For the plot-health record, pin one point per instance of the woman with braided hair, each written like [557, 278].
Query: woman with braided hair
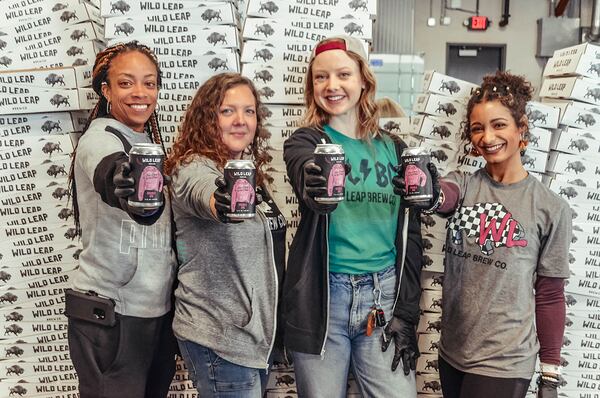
[127, 254]
[506, 261]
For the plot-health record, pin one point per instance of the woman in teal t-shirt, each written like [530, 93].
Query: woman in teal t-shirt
[352, 259]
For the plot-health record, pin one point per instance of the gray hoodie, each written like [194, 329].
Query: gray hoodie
[227, 294]
[121, 259]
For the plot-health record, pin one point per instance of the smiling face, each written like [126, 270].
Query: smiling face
[237, 119]
[131, 89]
[496, 135]
[337, 83]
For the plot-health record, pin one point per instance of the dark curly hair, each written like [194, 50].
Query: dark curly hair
[512, 91]
[200, 133]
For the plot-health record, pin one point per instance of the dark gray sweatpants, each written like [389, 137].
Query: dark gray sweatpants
[134, 359]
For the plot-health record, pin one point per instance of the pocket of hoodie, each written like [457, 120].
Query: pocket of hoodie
[247, 327]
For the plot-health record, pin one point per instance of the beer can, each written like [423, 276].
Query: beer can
[417, 178]
[331, 159]
[240, 176]
[147, 162]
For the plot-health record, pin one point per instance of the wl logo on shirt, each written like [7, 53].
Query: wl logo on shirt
[492, 225]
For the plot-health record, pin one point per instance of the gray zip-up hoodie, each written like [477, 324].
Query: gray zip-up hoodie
[227, 294]
[121, 259]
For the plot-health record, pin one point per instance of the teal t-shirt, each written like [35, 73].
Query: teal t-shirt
[362, 229]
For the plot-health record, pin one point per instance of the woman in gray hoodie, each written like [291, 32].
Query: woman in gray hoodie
[230, 272]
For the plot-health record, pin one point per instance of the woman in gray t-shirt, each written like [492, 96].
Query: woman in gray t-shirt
[506, 257]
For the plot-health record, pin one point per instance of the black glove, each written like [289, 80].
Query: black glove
[125, 187]
[400, 188]
[315, 185]
[223, 201]
[404, 337]
[547, 386]
[124, 183]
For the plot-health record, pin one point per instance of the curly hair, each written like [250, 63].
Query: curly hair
[510, 90]
[100, 76]
[367, 108]
[200, 133]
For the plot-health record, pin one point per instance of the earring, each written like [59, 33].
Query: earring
[107, 108]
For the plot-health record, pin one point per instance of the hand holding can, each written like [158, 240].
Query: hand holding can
[147, 162]
[331, 159]
[418, 187]
[240, 177]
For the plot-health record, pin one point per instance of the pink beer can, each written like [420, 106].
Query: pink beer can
[240, 176]
[331, 159]
[147, 161]
[417, 178]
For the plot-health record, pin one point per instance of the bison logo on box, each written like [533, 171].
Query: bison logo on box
[119, 6]
[269, 7]
[491, 224]
[263, 54]
[209, 15]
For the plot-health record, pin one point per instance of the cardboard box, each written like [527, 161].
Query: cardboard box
[47, 78]
[396, 125]
[431, 301]
[534, 160]
[280, 93]
[324, 10]
[570, 192]
[540, 139]
[438, 83]
[35, 124]
[216, 13]
[429, 343]
[55, 56]
[440, 105]
[47, 19]
[470, 164]
[200, 66]
[576, 141]
[110, 9]
[304, 29]
[213, 38]
[428, 384]
[575, 113]
[437, 128]
[542, 115]
[292, 73]
[575, 87]
[572, 165]
[432, 280]
[576, 60]
[19, 99]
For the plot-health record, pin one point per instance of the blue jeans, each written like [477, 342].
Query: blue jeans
[216, 377]
[351, 299]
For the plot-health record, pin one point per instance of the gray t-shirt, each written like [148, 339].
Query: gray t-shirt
[121, 259]
[498, 241]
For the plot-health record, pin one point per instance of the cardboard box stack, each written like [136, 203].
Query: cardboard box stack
[399, 76]
[278, 39]
[572, 85]
[47, 50]
[193, 40]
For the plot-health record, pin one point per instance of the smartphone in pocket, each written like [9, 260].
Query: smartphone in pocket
[88, 306]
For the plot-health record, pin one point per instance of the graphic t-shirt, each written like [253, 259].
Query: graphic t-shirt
[362, 229]
[498, 241]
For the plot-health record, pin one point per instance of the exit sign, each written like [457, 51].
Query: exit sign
[478, 23]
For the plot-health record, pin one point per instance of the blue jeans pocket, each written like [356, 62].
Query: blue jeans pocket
[232, 377]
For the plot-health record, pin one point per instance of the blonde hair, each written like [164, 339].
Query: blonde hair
[367, 108]
[389, 108]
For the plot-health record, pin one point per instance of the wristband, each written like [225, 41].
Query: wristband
[547, 368]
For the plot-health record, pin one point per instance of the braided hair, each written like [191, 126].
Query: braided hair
[510, 90]
[99, 77]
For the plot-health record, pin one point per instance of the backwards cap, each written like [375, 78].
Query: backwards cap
[341, 42]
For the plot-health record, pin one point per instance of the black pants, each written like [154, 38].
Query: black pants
[457, 384]
[134, 359]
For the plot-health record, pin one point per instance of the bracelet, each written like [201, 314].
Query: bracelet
[436, 205]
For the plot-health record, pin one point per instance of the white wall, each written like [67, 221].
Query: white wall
[520, 35]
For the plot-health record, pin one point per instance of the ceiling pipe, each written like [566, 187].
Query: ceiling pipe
[505, 14]
[595, 28]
